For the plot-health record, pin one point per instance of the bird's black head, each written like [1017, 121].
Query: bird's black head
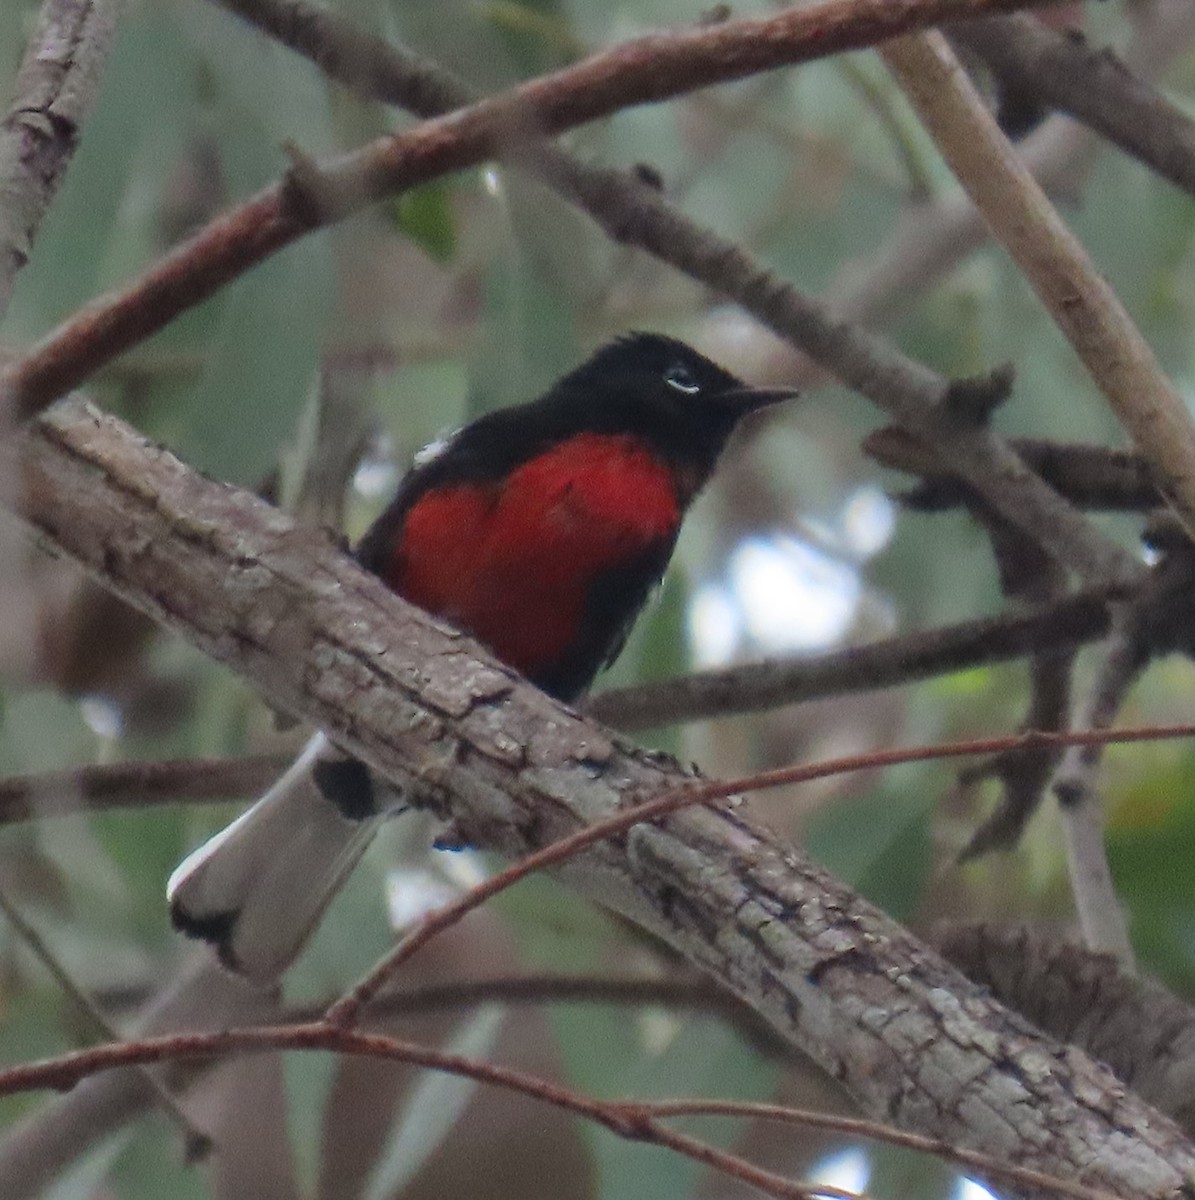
[664, 390]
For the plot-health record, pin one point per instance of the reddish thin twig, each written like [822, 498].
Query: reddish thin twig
[634, 1120]
[346, 1010]
[626, 1121]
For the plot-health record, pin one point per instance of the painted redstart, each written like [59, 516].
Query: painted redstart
[540, 530]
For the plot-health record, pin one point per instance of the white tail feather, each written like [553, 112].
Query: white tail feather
[257, 889]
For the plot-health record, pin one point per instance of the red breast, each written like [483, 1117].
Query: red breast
[512, 561]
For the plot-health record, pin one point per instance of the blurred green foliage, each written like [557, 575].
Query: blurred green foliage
[425, 216]
[477, 291]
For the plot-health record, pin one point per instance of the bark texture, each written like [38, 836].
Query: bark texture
[56, 89]
[909, 1036]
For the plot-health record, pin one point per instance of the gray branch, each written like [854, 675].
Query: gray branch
[886, 662]
[635, 214]
[56, 88]
[908, 1036]
[1091, 84]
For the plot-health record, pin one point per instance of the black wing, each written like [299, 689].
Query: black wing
[484, 451]
[615, 600]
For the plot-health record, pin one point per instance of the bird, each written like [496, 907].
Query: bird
[541, 530]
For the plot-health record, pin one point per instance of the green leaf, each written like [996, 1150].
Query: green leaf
[425, 216]
[263, 353]
[879, 842]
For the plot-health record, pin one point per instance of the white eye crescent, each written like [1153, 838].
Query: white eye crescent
[681, 378]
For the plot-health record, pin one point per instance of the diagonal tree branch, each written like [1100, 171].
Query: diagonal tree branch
[884, 1015]
[886, 662]
[313, 195]
[629, 212]
[1090, 83]
[634, 214]
[1081, 303]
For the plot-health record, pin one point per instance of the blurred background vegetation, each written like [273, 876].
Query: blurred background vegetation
[362, 343]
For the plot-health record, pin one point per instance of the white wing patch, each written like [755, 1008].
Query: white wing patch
[436, 447]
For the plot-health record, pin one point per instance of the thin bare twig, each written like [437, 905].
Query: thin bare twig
[1101, 915]
[888, 662]
[100, 787]
[1027, 575]
[624, 1121]
[1123, 662]
[1024, 777]
[980, 1164]
[683, 992]
[628, 211]
[1157, 620]
[637, 1120]
[346, 1011]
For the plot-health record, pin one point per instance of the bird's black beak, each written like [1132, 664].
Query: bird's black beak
[747, 399]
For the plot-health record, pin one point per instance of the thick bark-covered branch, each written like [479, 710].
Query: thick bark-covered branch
[904, 1032]
[55, 90]
[1143, 1031]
